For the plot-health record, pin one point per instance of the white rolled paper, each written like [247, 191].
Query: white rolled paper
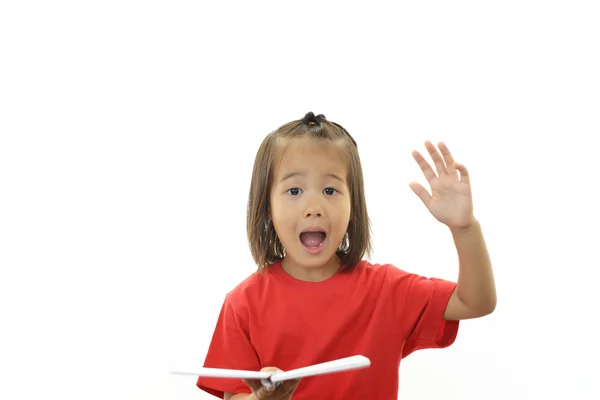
[340, 365]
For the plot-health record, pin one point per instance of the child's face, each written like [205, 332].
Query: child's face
[310, 194]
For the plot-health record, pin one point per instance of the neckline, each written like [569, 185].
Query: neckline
[336, 281]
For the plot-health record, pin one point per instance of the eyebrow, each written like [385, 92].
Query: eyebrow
[295, 174]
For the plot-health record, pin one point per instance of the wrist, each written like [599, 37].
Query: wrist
[465, 229]
[244, 396]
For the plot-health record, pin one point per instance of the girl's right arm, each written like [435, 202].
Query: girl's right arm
[241, 396]
[259, 392]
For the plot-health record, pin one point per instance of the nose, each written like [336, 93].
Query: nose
[313, 208]
[312, 212]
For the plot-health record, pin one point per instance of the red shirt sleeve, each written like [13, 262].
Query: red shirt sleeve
[420, 304]
[230, 348]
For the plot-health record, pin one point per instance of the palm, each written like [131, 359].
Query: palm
[450, 201]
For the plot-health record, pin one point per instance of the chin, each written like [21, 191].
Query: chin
[312, 257]
[308, 260]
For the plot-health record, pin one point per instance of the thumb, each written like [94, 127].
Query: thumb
[421, 192]
[259, 390]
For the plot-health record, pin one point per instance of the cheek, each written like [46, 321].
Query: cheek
[281, 211]
[343, 208]
[340, 215]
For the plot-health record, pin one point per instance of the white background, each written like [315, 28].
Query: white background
[129, 129]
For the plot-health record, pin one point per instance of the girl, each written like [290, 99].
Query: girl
[313, 298]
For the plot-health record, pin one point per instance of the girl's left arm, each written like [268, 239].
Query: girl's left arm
[451, 203]
[475, 294]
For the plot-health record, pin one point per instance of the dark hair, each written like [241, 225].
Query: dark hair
[265, 246]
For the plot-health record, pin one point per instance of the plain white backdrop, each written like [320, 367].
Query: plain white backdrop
[128, 132]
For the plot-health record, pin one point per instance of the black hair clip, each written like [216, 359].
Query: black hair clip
[311, 119]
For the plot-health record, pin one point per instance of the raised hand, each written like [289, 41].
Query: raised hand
[281, 392]
[450, 201]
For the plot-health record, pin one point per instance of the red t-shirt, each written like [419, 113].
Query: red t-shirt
[378, 311]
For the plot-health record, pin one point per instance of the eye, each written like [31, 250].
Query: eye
[329, 191]
[294, 191]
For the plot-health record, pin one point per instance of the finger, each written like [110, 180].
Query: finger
[288, 388]
[270, 369]
[424, 165]
[437, 158]
[253, 384]
[448, 159]
[260, 391]
[421, 192]
[257, 387]
[464, 173]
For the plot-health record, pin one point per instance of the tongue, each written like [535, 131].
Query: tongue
[312, 239]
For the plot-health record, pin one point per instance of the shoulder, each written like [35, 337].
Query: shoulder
[374, 271]
[252, 292]
[389, 272]
[397, 280]
[246, 287]
[378, 279]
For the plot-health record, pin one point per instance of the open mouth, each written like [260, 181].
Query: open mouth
[313, 239]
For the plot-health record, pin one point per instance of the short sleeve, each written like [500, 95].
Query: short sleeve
[230, 348]
[420, 303]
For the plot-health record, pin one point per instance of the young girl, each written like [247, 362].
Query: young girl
[313, 298]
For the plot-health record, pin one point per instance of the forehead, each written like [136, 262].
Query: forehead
[305, 155]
